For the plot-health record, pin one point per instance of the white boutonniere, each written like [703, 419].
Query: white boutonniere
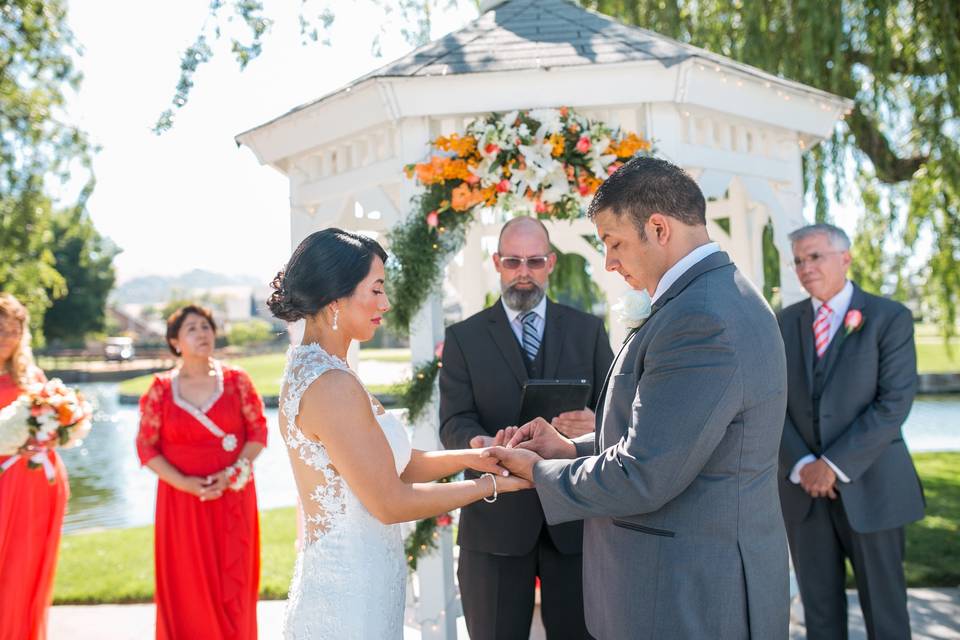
[634, 307]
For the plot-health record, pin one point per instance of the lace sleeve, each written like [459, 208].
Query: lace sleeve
[151, 420]
[252, 408]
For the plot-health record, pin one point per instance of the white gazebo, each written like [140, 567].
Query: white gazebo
[738, 130]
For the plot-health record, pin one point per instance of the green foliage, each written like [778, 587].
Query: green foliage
[36, 144]
[85, 260]
[571, 282]
[771, 268]
[416, 393]
[900, 63]
[253, 331]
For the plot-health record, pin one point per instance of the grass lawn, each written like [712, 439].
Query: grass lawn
[265, 371]
[934, 357]
[117, 565]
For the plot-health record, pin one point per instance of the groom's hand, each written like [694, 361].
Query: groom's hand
[540, 437]
[520, 462]
[500, 440]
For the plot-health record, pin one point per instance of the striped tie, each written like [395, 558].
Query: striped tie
[821, 329]
[531, 341]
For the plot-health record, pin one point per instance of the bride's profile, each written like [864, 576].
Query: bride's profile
[355, 471]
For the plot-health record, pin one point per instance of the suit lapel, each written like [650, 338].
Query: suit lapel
[857, 301]
[554, 328]
[506, 341]
[805, 329]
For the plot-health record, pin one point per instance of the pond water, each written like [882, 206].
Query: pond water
[110, 489]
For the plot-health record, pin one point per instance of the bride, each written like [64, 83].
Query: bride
[356, 474]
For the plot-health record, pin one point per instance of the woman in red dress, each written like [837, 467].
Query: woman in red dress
[31, 505]
[201, 426]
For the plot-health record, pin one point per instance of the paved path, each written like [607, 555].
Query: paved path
[934, 613]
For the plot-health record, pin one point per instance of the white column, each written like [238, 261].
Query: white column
[437, 608]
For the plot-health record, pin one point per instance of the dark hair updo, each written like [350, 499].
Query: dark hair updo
[326, 266]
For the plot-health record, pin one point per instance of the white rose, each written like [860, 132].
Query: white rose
[14, 431]
[634, 307]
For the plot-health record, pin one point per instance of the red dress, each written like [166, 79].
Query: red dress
[31, 516]
[207, 554]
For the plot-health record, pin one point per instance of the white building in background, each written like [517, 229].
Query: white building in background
[738, 130]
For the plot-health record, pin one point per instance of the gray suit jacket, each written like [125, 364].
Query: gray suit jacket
[683, 535]
[864, 389]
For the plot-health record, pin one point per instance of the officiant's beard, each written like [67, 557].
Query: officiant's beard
[522, 300]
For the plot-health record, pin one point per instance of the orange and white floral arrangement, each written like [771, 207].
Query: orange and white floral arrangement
[47, 415]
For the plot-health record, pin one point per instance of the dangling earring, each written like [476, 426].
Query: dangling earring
[336, 316]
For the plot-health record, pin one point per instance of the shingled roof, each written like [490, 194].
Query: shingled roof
[516, 35]
[530, 34]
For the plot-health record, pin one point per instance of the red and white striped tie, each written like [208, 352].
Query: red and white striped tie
[821, 329]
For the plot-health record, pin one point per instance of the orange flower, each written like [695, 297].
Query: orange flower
[462, 146]
[464, 198]
[628, 146]
[65, 414]
[557, 142]
[564, 111]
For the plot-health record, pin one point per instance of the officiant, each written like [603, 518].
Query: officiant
[506, 545]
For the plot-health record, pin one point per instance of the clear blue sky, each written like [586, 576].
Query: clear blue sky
[190, 198]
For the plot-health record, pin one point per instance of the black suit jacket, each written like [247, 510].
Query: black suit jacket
[850, 408]
[480, 387]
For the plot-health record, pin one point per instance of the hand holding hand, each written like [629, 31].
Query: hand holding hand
[539, 436]
[819, 480]
[205, 488]
[575, 423]
[476, 460]
[519, 462]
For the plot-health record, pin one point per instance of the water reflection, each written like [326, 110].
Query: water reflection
[110, 489]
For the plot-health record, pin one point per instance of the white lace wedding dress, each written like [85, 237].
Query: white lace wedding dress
[350, 577]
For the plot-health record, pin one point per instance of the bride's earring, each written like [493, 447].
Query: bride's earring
[336, 317]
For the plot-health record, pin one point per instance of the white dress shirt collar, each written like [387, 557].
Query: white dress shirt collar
[682, 266]
[839, 303]
[540, 309]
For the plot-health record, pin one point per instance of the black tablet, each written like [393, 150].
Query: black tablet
[549, 398]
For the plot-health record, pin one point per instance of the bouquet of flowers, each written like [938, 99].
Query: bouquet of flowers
[47, 415]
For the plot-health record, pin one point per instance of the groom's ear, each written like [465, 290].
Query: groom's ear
[658, 228]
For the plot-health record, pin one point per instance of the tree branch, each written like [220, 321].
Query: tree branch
[889, 166]
[895, 65]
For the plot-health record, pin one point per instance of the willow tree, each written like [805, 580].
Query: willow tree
[36, 145]
[900, 62]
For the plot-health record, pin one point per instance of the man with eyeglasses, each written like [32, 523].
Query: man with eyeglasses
[847, 483]
[506, 545]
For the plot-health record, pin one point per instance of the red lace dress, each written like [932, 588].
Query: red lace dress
[31, 516]
[207, 554]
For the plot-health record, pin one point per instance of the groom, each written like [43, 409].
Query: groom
[683, 535]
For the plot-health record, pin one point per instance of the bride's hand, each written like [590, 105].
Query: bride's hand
[511, 483]
[474, 459]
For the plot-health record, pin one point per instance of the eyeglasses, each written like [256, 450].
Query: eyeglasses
[813, 259]
[514, 262]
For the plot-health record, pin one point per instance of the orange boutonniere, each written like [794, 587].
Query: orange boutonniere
[852, 321]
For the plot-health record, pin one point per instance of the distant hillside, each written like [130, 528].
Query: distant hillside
[158, 289]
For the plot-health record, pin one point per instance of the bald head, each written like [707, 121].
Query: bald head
[528, 231]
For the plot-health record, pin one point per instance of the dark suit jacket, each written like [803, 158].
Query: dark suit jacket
[865, 388]
[480, 386]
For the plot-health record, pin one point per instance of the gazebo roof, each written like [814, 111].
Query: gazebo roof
[519, 35]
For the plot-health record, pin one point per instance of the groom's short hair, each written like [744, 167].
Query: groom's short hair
[644, 186]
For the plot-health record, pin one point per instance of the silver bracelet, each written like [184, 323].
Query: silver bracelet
[493, 498]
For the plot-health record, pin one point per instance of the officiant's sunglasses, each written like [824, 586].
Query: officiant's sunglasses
[533, 262]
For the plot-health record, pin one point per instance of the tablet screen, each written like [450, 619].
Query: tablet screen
[549, 398]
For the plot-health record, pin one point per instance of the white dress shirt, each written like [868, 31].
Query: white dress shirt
[538, 323]
[839, 305]
[682, 266]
